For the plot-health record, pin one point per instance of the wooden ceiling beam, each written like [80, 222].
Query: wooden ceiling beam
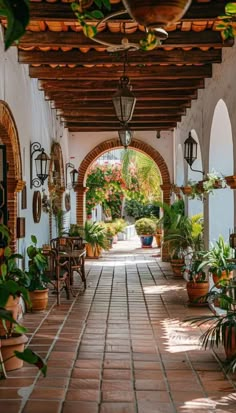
[91, 113]
[140, 95]
[205, 38]
[62, 12]
[111, 85]
[142, 73]
[106, 105]
[156, 57]
[113, 119]
[115, 127]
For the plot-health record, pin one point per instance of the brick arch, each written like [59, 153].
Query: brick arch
[9, 137]
[109, 145]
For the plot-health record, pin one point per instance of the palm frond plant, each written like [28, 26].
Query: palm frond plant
[95, 235]
[221, 328]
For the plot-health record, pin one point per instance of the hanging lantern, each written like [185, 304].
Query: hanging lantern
[124, 101]
[190, 150]
[125, 136]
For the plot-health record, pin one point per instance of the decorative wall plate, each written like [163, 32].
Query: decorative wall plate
[37, 206]
[67, 202]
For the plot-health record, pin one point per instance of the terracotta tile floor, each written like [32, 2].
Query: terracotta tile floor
[120, 347]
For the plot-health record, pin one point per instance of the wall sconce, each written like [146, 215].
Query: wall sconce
[125, 136]
[190, 152]
[74, 174]
[124, 100]
[41, 165]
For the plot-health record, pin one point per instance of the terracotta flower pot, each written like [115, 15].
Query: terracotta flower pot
[177, 267]
[224, 276]
[13, 306]
[39, 299]
[8, 346]
[196, 290]
[156, 13]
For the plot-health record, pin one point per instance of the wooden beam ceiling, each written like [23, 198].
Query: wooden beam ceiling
[156, 57]
[79, 76]
[203, 10]
[178, 38]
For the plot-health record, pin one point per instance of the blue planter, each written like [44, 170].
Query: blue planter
[146, 241]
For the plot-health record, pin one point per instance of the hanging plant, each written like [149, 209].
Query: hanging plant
[87, 13]
[227, 26]
[197, 190]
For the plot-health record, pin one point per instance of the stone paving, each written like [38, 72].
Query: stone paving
[120, 347]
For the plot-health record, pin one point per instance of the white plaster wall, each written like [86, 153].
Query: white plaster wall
[200, 116]
[82, 143]
[35, 121]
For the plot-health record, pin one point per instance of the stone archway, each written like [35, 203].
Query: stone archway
[9, 137]
[112, 144]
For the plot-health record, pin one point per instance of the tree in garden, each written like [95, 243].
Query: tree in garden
[143, 181]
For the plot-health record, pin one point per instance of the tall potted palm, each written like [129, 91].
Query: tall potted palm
[94, 234]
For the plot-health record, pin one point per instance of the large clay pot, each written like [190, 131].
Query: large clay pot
[177, 267]
[39, 299]
[196, 290]
[8, 346]
[230, 347]
[93, 251]
[156, 13]
[224, 276]
[13, 306]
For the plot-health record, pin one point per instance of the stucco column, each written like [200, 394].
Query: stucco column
[166, 189]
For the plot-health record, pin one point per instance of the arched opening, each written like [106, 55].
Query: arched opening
[221, 203]
[9, 137]
[112, 144]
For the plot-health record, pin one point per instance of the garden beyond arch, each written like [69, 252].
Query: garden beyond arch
[115, 144]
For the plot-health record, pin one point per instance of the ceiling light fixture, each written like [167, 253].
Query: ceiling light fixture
[124, 100]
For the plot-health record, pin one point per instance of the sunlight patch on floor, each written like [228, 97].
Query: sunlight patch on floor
[159, 289]
[179, 338]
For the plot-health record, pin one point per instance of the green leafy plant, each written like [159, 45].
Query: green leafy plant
[221, 328]
[12, 279]
[216, 259]
[94, 233]
[145, 226]
[86, 13]
[227, 24]
[27, 355]
[37, 266]
[17, 15]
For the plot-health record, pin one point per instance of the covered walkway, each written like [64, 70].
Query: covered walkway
[119, 347]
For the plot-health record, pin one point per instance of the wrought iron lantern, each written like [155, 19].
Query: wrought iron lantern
[190, 152]
[124, 100]
[125, 136]
[42, 162]
[74, 174]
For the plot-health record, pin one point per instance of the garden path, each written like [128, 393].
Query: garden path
[120, 347]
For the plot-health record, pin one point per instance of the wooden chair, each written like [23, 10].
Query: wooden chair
[73, 248]
[58, 272]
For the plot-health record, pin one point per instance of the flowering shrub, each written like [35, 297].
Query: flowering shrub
[105, 187]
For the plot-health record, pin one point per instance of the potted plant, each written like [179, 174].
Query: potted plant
[12, 281]
[94, 233]
[120, 225]
[220, 326]
[197, 282]
[217, 261]
[110, 232]
[13, 353]
[146, 229]
[38, 281]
